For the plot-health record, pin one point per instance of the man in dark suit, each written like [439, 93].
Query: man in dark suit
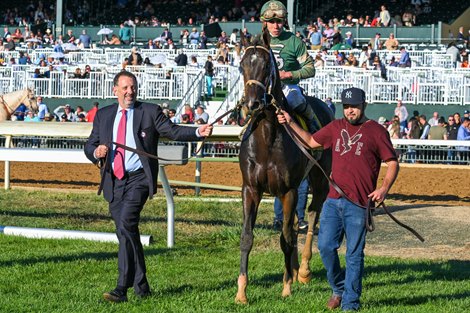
[128, 179]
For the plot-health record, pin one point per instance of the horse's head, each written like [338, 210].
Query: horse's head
[260, 73]
[31, 101]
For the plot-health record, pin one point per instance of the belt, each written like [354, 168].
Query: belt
[133, 173]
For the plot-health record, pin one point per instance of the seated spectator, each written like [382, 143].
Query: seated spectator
[405, 60]
[185, 119]
[134, 58]
[201, 114]
[78, 73]
[114, 40]
[351, 60]
[391, 43]
[393, 62]
[319, 63]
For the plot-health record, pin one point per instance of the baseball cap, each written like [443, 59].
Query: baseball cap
[353, 96]
[466, 112]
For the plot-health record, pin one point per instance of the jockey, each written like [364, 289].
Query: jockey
[292, 58]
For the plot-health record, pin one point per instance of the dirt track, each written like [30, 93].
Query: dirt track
[435, 201]
[445, 186]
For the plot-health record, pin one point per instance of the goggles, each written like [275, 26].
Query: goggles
[274, 14]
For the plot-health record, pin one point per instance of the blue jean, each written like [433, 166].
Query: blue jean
[341, 218]
[302, 192]
[209, 85]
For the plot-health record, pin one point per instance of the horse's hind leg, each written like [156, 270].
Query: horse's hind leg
[289, 241]
[320, 189]
[251, 199]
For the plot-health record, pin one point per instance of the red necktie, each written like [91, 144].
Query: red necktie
[119, 156]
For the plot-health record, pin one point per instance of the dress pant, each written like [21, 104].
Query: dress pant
[130, 195]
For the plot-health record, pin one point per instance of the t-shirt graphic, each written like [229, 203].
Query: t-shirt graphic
[348, 142]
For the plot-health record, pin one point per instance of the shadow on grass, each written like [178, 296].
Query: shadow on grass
[107, 217]
[425, 271]
[434, 198]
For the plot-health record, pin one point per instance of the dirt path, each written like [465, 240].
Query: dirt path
[435, 201]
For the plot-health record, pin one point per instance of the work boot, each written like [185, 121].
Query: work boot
[306, 111]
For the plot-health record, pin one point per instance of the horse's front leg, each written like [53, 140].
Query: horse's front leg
[251, 200]
[320, 190]
[289, 241]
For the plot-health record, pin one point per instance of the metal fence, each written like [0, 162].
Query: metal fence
[408, 151]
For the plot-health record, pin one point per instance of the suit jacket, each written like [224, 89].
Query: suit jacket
[149, 124]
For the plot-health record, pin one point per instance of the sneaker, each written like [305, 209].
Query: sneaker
[302, 224]
[277, 225]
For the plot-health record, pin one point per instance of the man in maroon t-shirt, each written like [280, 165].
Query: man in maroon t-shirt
[359, 146]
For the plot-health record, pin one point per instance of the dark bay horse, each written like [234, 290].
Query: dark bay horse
[270, 161]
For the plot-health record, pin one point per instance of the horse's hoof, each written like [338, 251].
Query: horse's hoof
[304, 279]
[241, 299]
[286, 292]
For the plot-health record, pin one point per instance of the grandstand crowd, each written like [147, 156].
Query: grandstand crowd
[322, 36]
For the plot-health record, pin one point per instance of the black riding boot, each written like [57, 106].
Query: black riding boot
[306, 111]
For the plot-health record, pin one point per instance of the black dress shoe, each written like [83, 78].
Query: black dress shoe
[144, 295]
[115, 296]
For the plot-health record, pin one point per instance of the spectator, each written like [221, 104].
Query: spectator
[189, 112]
[376, 42]
[84, 41]
[194, 37]
[66, 110]
[454, 52]
[331, 105]
[125, 33]
[393, 62]
[349, 40]
[166, 34]
[315, 38]
[463, 134]
[424, 126]
[209, 74]
[114, 40]
[203, 40]
[394, 128]
[20, 112]
[181, 59]
[42, 108]
[69, 37]
[222, 39]
[233, 37]
[402, 113]
[434, 120]
[319, 62]
[90, 116]
[405, 60]
[185, 119]
[135, 58]
[31, 117]
[438, 132]
[384, 16]
[391, 43]
[201, 114]
[172, 116]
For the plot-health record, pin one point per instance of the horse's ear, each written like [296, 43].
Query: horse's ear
[266, 37]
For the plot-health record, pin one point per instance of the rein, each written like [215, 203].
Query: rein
[155, 157]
